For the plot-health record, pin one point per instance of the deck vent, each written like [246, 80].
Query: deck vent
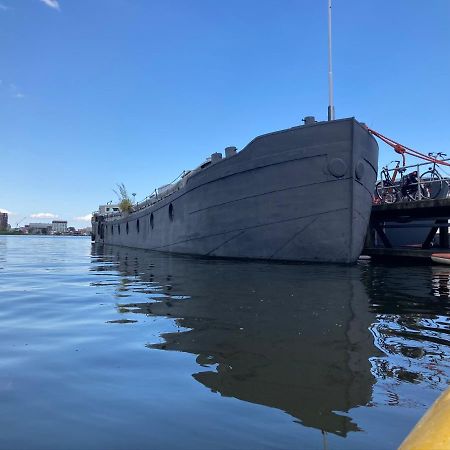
[309, 120]
[216, 157]
[230, 151]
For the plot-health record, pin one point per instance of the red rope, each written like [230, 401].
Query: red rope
[402, 149]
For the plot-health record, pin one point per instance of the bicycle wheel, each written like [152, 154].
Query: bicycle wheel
[412, 193]
[431, 182]
[424, 194]
[387, 193]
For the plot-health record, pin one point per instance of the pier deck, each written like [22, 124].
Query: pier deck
[424, 222]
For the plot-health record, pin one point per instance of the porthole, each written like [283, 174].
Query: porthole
[171, 211]
[137, 225]
[151, 221]
[118, 228]
[127, 228]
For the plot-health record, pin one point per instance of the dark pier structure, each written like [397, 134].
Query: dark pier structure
[409, 230]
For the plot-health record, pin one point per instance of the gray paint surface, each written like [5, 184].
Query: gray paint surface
[301, 194]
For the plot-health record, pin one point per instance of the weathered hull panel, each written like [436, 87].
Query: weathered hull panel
[302, 194]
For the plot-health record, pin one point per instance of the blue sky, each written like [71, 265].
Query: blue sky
[94, 93]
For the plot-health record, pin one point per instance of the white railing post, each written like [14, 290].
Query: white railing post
[419, 191]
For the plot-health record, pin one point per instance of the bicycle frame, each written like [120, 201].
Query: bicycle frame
[389, 178]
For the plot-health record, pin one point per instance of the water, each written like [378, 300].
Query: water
[115, 348]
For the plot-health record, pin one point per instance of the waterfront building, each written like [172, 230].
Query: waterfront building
[3, 221]
[40, 228]
[59, 226]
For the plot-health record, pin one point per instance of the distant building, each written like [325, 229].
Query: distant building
[40, 228]
[84, 231]
[59, 226]
[3, 221]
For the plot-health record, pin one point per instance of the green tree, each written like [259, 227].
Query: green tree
[125, 203]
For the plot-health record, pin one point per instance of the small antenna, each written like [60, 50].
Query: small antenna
[330, 68]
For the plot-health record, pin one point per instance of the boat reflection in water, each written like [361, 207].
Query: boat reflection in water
[292, 337]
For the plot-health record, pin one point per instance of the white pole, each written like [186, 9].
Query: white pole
[330, 68]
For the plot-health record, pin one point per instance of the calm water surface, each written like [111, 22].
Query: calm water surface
[115, 348]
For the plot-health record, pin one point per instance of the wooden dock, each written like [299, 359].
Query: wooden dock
[430, 216]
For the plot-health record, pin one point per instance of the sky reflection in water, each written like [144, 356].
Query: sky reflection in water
[135, 349]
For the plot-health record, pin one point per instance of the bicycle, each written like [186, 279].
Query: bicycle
[432, 180]
[388, 190]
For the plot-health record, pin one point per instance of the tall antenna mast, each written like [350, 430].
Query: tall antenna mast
[330, 68]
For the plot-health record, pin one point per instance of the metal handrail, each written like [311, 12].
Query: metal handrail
[427, 163]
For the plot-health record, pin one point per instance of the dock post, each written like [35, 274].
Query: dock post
[379, 229]
[430, 237]
[370, 236]
[443, 234]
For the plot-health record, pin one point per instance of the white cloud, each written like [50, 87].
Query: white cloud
[2, 210]
[86, 218]
[44, 216]
[15, 91]
[52, 3]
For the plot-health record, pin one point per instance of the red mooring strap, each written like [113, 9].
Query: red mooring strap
[402, 149]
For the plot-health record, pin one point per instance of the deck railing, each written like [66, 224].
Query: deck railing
[432, 182]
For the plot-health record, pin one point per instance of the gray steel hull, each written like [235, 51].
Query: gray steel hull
[302, 194]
